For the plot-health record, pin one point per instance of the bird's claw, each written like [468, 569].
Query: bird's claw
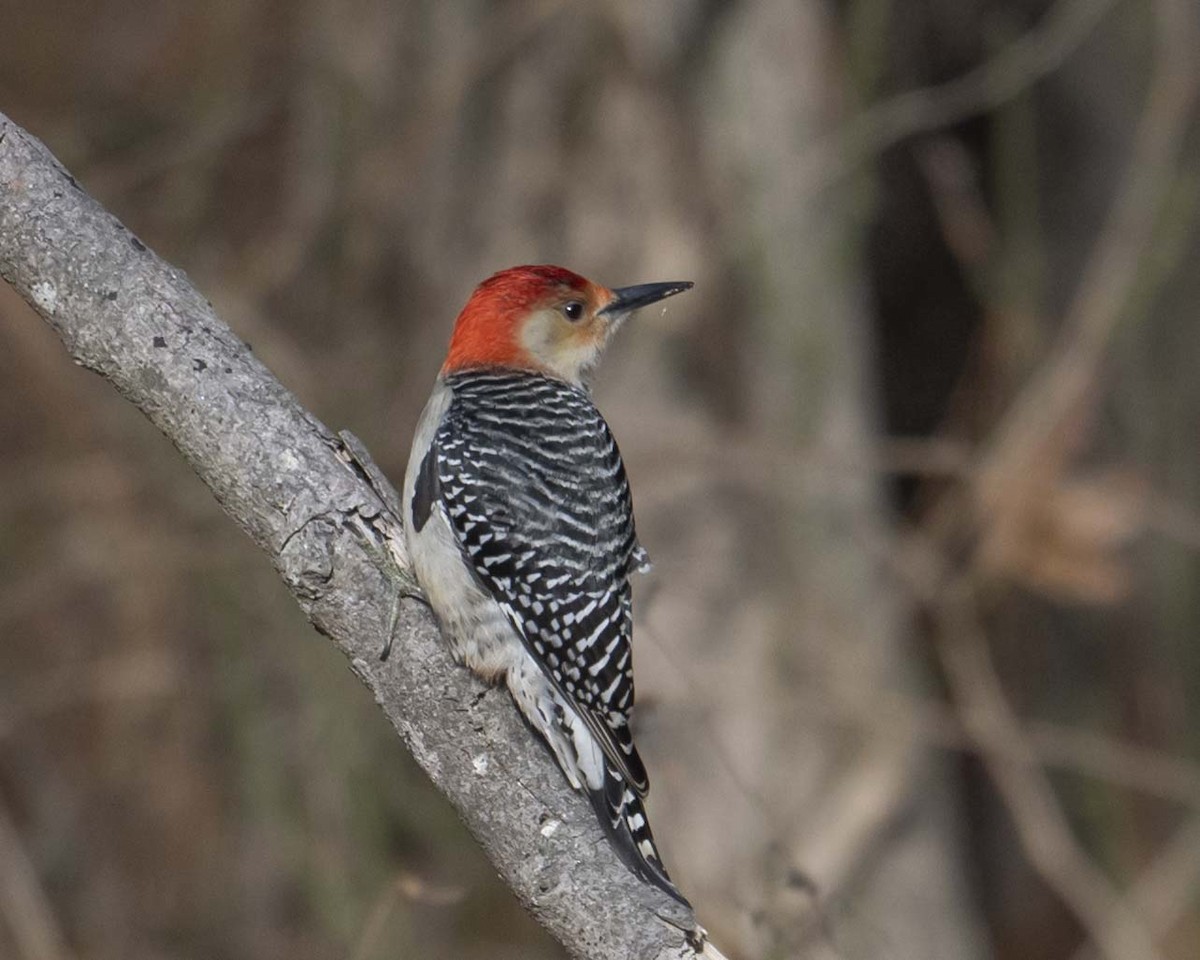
[407, 589]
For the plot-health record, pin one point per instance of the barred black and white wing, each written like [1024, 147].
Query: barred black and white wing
[533, 486]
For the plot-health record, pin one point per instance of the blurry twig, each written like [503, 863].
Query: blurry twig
[1115, 761]
[1167, 887]
[920, 456]
[404, 886]
[1016, 68]
[1136, 767]
[1021, 470]
[1107, 918]
[855, 814]
[1030, 432]
[1063, 382]
[23, 902]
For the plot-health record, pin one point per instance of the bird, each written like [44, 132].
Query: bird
[519, 525]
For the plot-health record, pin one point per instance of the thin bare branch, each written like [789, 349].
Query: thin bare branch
[1107, 918]
[1064, 381]
[23, 903]
[1013, 70]
[1108, 759]
[1167, 887]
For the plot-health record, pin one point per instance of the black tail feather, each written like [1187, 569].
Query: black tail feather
[623, 817]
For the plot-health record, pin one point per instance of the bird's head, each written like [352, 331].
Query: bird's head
[544, 319]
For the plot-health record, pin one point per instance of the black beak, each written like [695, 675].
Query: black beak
[628, 299]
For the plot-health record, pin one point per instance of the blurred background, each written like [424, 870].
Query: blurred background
[917, 462]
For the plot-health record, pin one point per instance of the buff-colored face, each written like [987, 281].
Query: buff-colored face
[567, 334]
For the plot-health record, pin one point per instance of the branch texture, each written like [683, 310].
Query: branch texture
[282, 476]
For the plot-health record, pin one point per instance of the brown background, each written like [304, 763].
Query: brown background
[871, 392]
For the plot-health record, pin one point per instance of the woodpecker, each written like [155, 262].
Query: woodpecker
[519, 525]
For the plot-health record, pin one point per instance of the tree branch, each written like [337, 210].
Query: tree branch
[283, 477]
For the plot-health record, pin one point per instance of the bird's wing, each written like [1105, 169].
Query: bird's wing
[534, 487]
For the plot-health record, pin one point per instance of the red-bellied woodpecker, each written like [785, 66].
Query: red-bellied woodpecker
[519, 525]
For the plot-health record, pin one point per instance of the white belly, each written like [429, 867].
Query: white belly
[479, 634]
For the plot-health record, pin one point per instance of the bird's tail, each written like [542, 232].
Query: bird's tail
[623, 817]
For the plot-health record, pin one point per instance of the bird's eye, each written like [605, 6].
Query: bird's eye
[572, 310]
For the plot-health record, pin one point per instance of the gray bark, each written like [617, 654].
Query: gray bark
[281, 475]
